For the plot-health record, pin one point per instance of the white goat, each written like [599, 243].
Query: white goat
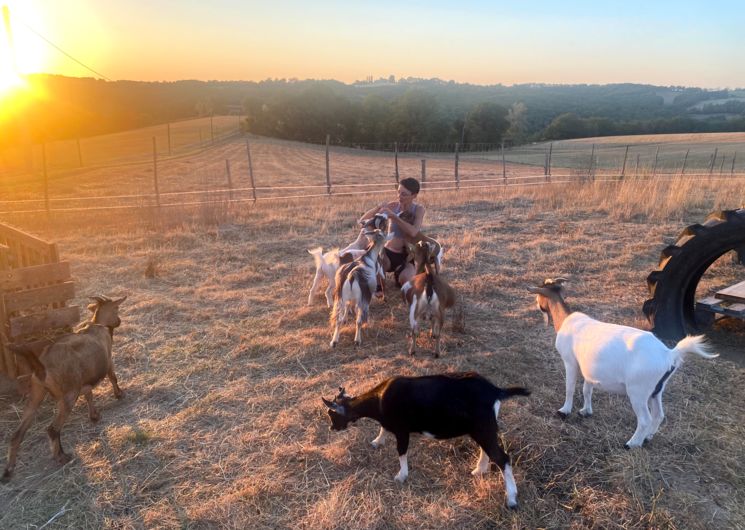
[355, 283]
[614, 358]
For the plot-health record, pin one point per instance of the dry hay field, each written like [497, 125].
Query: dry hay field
[223, 366]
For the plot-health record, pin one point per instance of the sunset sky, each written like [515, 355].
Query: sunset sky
[663, 43]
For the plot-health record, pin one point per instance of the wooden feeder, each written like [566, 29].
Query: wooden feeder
[34, 289]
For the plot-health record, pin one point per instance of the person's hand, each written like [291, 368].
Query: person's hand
[390, 213]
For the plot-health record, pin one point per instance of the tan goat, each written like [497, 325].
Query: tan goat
[70, 366]
[427, 295]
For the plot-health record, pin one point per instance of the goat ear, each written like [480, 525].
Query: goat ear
[117, 302]
[92, 307]
[329, 404]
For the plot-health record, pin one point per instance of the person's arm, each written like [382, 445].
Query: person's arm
[410, 230]
[372, 211]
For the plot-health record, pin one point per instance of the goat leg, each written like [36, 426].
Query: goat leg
[64, 407]
[118, 394]
[37, 396]
[93, 414]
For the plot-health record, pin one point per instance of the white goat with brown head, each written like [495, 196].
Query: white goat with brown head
[355, 283]
[427, 295]
[70, 366]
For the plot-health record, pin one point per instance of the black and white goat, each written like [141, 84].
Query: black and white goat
[614, 358]
[427, 294]
[438, 406]
[328, 263]
[355, 284]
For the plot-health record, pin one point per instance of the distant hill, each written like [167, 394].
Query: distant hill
[384, 110]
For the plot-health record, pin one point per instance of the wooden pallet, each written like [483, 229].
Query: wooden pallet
[735, 293]
[721, 307]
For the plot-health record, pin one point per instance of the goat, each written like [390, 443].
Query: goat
[327, 264]
[355, 283]
[438, 406]
[427, 295]
[614, 358]
[70, 366]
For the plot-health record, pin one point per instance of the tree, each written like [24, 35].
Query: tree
[518, 119]
[486, 123]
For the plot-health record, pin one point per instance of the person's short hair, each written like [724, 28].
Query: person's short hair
[410, 184]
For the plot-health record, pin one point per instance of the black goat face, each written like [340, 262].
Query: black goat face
[337, 411]
[339, 422]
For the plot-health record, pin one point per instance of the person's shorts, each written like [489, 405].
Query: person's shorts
[398, 262]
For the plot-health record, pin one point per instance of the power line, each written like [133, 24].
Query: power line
[53, 45]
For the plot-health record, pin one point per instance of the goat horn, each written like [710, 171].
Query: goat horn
[100, 298]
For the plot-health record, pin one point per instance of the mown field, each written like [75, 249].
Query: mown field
[223, 366]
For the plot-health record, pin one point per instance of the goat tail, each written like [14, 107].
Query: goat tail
[38, 368]
[693, 344]
[316, 253]
[506, 393]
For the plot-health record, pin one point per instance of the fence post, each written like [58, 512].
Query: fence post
[424, 171]
[155, 173]
[230, 180]
[251, 171]
[654, 167]
[625, 156]
[721, 166]
[395, 159]
[328, 171]
[592, 161]
[548, 164]
[46, 176]
[734, 157]
[713, 160]
[504, 166]
[80, 154]
[685, 159]
[636, 168]
[457, 179]
[212, 130]
[169, 138]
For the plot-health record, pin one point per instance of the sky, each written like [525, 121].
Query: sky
[654, 42]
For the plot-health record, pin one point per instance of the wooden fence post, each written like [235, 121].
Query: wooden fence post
[721, 166]
[548, 164]
[80, 154]
[654, 167]
[504, 166]
[155, 173]
[625, 156]
[168, 131]
[636, 168]
[212, 130]
[734, 157]
[230, 181]
[713, 160]
[251, 171]
[328, 169]
[685, 159]
[46, 176]
[457, 179]
[424, 171]
[592, 161]
[395, 159]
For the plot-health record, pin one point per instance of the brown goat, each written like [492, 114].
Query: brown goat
[427, 295]
[70, 366]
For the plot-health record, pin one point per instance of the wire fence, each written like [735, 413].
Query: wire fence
[234, 169]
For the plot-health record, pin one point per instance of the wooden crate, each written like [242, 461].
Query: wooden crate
[34, 290]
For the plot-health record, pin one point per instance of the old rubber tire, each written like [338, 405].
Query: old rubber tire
[672, 286]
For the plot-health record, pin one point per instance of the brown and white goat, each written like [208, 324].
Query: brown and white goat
[70, 366]
[355, 283]
[427, 295]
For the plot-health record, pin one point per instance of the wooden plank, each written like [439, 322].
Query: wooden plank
[37, 275]
[735, 293]
[38, 322]
[9, 359]
[21, 300]
[721, 307]
[4, 257]
[26, 239]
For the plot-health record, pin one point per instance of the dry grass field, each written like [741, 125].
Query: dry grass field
[223, 366]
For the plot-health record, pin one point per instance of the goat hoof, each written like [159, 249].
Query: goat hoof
[512, 506]
[562, 415]
[95, 417]
[583, 414]
[6, 477]
[63, 458]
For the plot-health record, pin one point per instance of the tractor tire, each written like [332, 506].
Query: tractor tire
[672, 286]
